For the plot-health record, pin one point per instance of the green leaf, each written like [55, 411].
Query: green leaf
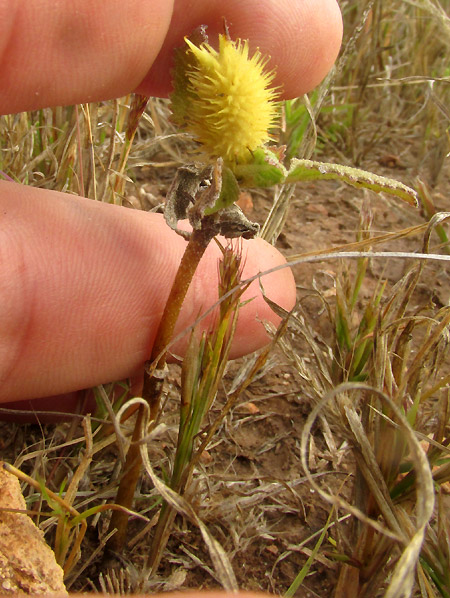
[309, 170]
[263, 170]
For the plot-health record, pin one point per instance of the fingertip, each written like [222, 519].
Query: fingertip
[66, 53]
[274, 274]
[259, 258]
[310, 45]
[302, 41]
[275, 281]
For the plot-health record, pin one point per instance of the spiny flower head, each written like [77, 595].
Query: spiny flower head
[229, 106]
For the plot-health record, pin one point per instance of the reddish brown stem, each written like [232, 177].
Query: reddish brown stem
[127, 487]
[195, 249]
[152, 389]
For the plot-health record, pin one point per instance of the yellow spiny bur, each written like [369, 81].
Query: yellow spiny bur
[230, 106]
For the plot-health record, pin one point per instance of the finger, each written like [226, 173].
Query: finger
[58, 53]
[55, 53]
[302, 37]
[83, 286]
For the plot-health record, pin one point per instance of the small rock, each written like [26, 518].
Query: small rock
[27, 564]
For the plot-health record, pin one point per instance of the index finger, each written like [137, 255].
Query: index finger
[301, 37]
[58, 53]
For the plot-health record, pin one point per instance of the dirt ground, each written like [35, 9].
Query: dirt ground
[250, 488]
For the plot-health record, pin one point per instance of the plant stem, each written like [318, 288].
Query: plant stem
[153, 384]
[195, 249]
[127, 487]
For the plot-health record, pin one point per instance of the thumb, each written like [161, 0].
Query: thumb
[83, 286]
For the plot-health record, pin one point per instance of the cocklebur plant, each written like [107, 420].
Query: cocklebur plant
[225, 100]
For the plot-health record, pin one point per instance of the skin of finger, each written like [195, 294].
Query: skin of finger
[302, 37]
[66, 53]
[83, 286]
[56, 53]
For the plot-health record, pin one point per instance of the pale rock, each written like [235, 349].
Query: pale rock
[27, 564]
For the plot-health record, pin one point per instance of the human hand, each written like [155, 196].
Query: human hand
[83, 284]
